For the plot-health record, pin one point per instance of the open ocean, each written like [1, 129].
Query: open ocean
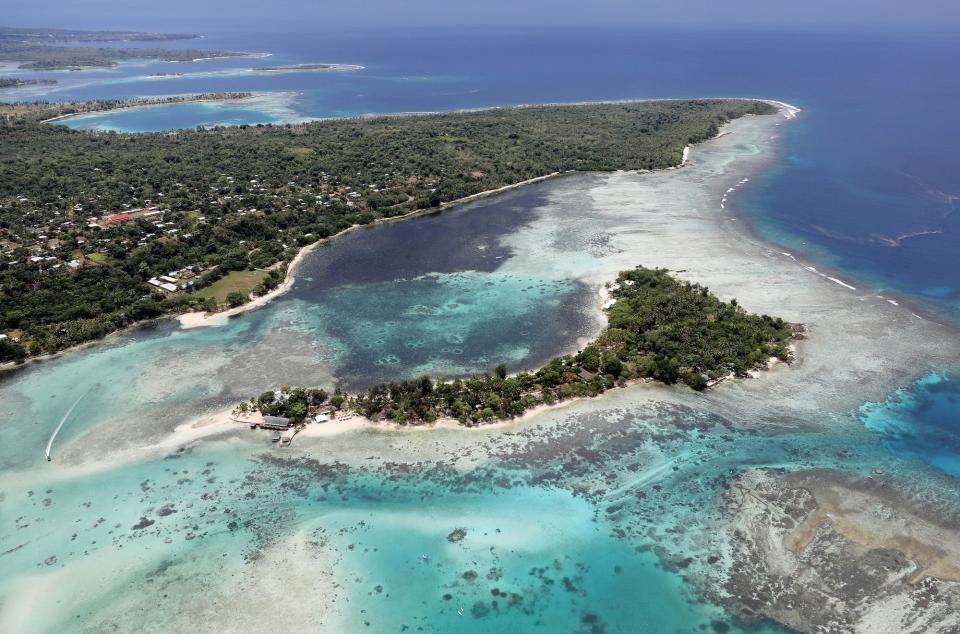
[867, 184]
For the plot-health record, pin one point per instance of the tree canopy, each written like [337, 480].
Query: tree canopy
[87, 219]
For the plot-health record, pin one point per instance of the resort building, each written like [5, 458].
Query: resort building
[275, 422]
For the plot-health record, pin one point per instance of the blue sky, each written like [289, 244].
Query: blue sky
[199, 15]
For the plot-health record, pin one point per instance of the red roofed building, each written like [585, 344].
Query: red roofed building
[118, 217]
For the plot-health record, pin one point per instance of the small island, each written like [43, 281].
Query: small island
[659, 328]
[305, 67]
[19, 83]
[48, 49]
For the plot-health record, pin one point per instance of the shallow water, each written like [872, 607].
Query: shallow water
[173, 116]
[432, 294]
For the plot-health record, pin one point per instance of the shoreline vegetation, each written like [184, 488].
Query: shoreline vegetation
[272, 191]
[659, 328]
[202, 318]
[76, 108]
[14, 82]
[47, 49]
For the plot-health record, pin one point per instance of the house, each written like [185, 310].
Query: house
[120, 217]
[167, 286]
[275, 422]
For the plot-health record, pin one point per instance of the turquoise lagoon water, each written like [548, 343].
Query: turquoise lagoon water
[395, 301]
[156, 119]
[587, 527]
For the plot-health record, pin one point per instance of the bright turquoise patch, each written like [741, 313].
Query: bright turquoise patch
[922, 421]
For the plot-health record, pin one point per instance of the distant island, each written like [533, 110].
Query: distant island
[102, 230]
[302, 67]
[658, 328]
[45, 49]
[18, 83]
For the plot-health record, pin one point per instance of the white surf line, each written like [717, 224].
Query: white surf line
[730, 190]
[844, 284]
[832, 279]
[63, 420]
[789, 111]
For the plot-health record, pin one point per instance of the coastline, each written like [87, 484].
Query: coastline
[197, 319]
[738, 238]
[200, 319]
[224, 421]
[199, 98]
[320, 67]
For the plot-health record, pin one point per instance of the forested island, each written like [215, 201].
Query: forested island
[300, 67]
[9, 82]
[101, 230]
[47, 49]
[658, 328]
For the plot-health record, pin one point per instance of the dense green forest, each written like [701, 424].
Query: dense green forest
[86, 219]
[9, 82]
[659, 328]
[43, 35]
[44, 49]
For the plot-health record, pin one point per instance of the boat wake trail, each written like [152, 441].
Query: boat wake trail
[63, 420]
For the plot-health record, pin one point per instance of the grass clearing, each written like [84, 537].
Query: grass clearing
[301, 152]
[242, 281]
